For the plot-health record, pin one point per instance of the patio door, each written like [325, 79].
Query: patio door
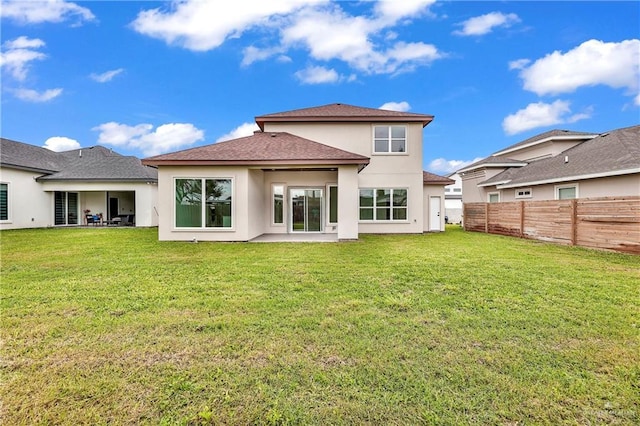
[306, 209]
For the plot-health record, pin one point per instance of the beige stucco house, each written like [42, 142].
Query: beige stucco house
[558, 164]
[335, 169]
[42, 188]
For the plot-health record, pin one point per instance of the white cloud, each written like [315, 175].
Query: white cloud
[36, 12]
[396, 106]
[541, 114]
[317, 75]
[61, 143]
[204, 25]
[484, 24]
[444, 166]
[320, 27]
[31, 95]
[332, 34]
[164, 138]
[592, 63]
[245, 129]
[18, 54]
[519, 64]
[106, 76]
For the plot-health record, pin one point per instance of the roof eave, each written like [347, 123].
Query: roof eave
[318, 162]
[491, 165]
[425, 120]
[571, 178]
[547, 139]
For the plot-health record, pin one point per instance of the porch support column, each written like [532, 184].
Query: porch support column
[348, 202]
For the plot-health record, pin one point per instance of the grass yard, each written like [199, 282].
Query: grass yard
[110, 326]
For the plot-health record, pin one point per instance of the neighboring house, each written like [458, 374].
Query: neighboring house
[558, 164]
[453, 199]
[336, 168]
[41, 188]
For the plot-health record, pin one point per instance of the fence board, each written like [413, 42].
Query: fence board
[611, 223]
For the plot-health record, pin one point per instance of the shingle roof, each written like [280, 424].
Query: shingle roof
[493, 161]
[550, 135]
[433, 179]
[615, 152]
[93, 163]
[28, 157]
[261, 148]
[343, 112]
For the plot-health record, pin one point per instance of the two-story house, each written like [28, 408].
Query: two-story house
[558, 164]
[334, 169]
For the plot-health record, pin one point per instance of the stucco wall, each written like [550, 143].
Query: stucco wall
[589, 188]
[398, 170]
[29, 206]
[545, 149]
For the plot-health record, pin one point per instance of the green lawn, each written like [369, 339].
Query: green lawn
[110, 326]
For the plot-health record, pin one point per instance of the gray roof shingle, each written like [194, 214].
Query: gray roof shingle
[93, 163]
[610, 153]
[433, 179]
[551, 134]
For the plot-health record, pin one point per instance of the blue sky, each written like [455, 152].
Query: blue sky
[150, 77]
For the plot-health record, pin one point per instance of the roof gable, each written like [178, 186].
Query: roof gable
[551, 135]
[260, 148]
[342, 113]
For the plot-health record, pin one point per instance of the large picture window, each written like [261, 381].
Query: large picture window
[388, 204]
[203, 203]
[389, 139]
[4, 201]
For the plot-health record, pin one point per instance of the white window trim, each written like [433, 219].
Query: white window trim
[284, 204]
[9, 203]
[373, 140]
[489, 194]
[391, 220]
[328, 202]
[557, 188]
[203, 228]
[530, 195]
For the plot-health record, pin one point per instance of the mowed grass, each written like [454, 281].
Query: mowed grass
[110, 326]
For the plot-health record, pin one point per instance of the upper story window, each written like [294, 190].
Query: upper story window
[389, 139]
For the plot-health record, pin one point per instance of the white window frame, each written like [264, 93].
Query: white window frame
[489, 194]
[273, 204]
[557, 189]
[328, 202]
[203, 206]
[529, 195]
[389, 140]
[391, 208]
[9, 203]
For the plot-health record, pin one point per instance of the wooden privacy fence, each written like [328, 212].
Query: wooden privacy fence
[611, 223]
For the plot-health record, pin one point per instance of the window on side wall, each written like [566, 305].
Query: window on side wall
[383, 205]
[389, 139]
[493, 197]
[566, 192]
[203, 203]
[278, 204]
[4, 201]
[333, 204]
[524, 193]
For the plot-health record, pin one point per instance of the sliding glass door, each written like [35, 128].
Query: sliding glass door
[306, 209]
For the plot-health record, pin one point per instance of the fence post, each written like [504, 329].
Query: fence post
[574, 222]
[521, 219]
[486, 218]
